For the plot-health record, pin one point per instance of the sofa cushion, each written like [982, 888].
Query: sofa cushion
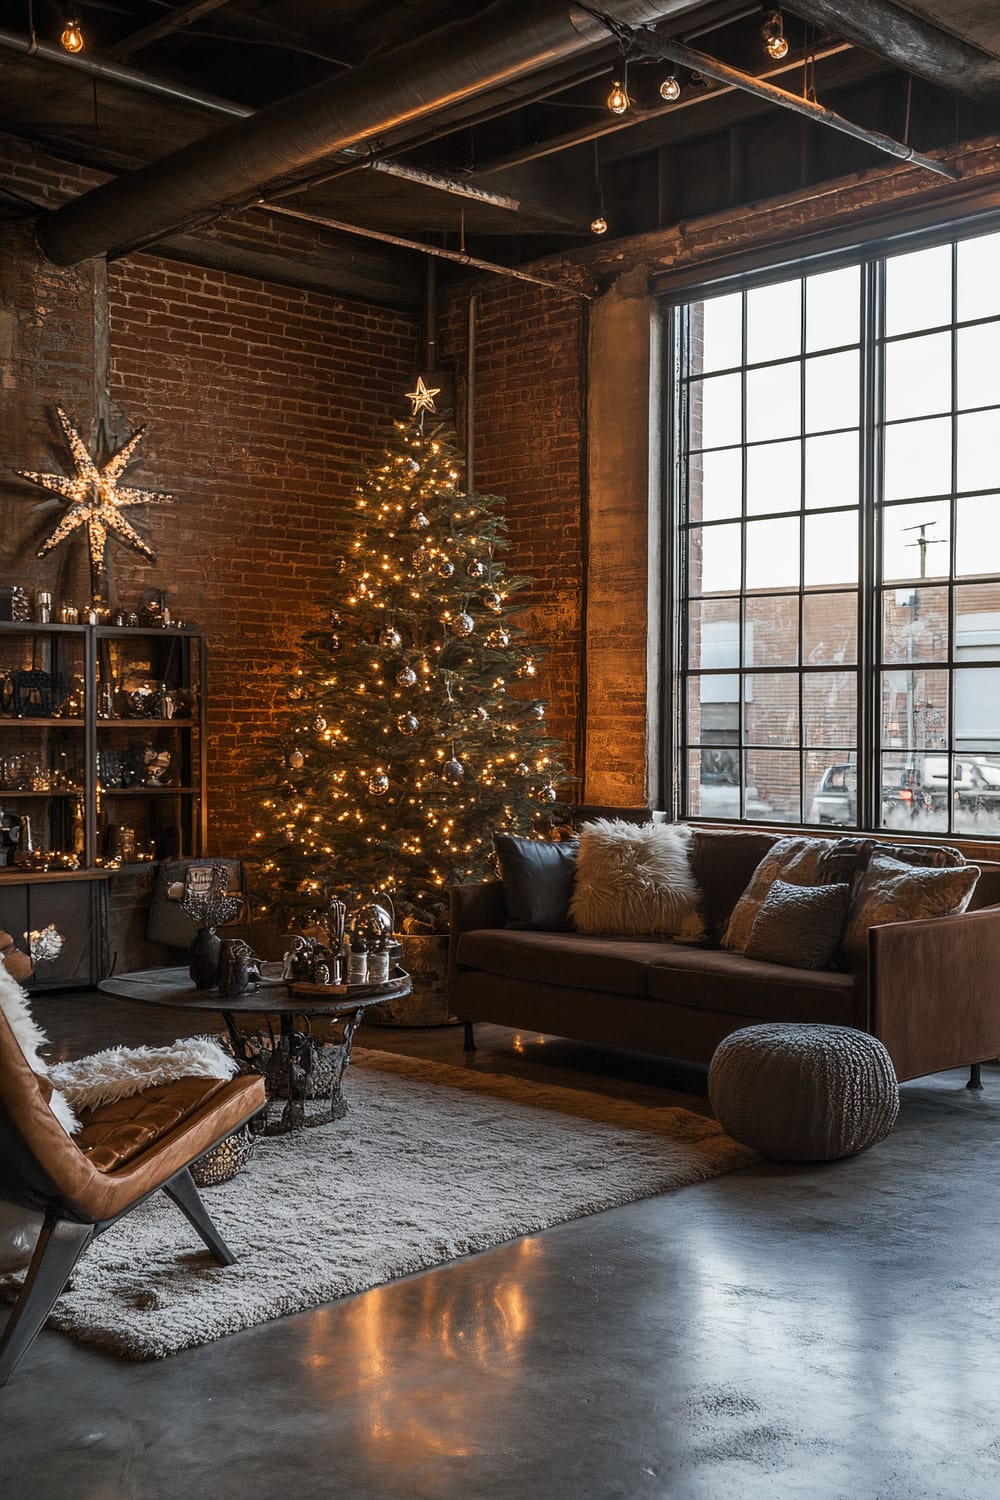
[571, 960]
[722, 861]
[636, 879]
[799, 925]
[733, 984]
[537, 877]
[798, 861]
[891, 891]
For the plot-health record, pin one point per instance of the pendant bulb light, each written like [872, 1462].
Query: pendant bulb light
[670, 89]
[598, 224]
[72, 36]
[618, 99]
[775, 41]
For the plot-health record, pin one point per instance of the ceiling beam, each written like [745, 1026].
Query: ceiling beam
[173, 20]
[386, 97]
[909, 42]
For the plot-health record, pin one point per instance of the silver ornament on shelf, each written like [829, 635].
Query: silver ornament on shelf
[446, 569]
[418, 521]
[378, 784]
[492, 601]
[475, 568]
[406, 677]
[390, 639]
[453, 771]
[463, 625]
[296, 760]
[498, 639]
[407, 723]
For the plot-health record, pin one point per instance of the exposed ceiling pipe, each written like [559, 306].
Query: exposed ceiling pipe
[648, 44]
[499, 47]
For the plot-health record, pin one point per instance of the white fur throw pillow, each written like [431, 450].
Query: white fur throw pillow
[636, 878]
[29, 1036]
[119, 1072]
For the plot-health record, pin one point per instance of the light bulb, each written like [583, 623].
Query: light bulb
[599, 225]
[775, 41]
[670, 89]
[72, 37]
[618, 99]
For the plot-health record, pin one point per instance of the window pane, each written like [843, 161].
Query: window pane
[774, 321]
[977, 544]
[773, 403]
[832, 391]
[915, 540]
[773, 554]
[772, 791]
[829, 707]
[918, 459]
[918, 290]
[715, 484]
[716, 333]
[977, 707]
[832, 548]
[914, 710]
[977, 621]
[713, 783]
[915, 624]
[831, 778]
[714, 559]
[830, 628]
[774, 477]
[978, 283]
[772, 709]
[979, 365]
[918, 376]
[979, 451]
[832, 470]
[833, 308]
[715, 418]
[975, 792]
[713, 710]
[771, 636]
[713, 632]
[907, 804]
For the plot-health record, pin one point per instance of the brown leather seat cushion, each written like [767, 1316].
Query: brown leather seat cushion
[113, 1134]
[709, 979]
[574, 960]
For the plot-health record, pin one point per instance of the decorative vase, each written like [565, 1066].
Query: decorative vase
[204, 958]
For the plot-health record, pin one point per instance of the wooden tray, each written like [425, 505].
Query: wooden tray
[385, 990]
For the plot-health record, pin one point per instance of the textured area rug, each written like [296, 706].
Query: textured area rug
[431, 1163]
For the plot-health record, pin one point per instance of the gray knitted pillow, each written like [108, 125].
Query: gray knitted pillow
[799, 925]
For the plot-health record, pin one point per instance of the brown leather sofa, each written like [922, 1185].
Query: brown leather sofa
[930, 993]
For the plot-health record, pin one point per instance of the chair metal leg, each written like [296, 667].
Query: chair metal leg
[182, 1191]
[60, 1245]
[975, 1076]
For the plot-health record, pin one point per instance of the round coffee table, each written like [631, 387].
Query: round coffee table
[289, 1062]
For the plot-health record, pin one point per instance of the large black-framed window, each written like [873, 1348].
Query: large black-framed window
[837, 444]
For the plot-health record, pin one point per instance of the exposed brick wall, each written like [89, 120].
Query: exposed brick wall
[529, 397]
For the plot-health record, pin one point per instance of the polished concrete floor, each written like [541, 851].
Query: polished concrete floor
[829, 1332]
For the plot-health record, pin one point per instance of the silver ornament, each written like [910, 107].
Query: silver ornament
[295, 692]
[547, 793]
[446, 569]
[340, 564]
[522, 768]
[463, 625]
[498, 639]
[406, 677]
[480, 715]
[419, 521]
[296, 760]
[378, 784]
[538, 710]
[454, 771]
[289, 835]
[319, 723]
[421, 560]
[475, 568]
[390, 639]
[492, 601]
[414, 466]
[407, 723]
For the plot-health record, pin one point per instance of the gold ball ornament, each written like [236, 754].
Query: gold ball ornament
[463, 625]
[446, 569]
[319, 723]
[492, 601]
[407, 723]
[296, 760]
[295, 692]
[475, 568]
[421, 560]
[340, 564]
[406, 677]
[390, 639]
[378, 784]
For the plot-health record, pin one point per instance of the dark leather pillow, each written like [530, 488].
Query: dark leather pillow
[537, 877]
[167, 922]
[799, 925]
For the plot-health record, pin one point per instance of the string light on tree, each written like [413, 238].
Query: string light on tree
[428, 745]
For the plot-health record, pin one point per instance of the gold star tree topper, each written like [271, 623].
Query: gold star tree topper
[96, 498]
[422, 398]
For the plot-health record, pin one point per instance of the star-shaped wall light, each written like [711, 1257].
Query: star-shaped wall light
[96, 497]
[422, 398]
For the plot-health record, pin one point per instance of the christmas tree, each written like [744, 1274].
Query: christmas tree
[408, 737]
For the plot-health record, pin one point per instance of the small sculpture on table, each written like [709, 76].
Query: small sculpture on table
[207, 902]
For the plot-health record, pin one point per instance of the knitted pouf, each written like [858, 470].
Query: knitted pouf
[803, 1093]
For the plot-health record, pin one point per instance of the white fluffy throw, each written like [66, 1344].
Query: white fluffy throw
[29, 1036]
[120, 1072]
[636, 878]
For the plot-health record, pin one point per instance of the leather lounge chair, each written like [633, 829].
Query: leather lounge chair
[125, 1152]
